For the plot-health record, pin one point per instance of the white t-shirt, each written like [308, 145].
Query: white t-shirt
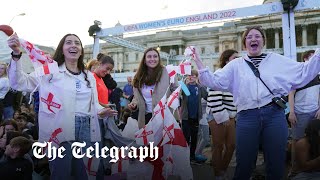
[307, 100]
[83, 96]
[147, 95]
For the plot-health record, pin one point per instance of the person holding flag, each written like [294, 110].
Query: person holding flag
[150, 84]
[191, 110]
[154, 99]
[69, 107]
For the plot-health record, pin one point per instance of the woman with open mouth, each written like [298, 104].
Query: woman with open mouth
[259, 82]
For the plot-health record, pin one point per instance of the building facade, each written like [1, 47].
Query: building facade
[211, 41]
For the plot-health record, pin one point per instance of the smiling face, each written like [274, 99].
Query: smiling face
[103, 69]
[72, 48]
[152, 59]
[254, 42]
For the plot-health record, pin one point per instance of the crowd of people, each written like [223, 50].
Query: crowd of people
[241, 105]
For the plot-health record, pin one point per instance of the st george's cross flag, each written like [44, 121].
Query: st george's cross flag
[145, 135]
[49, 68]
[184, 68]
[172, 71]
[173, 100]
[42, 62]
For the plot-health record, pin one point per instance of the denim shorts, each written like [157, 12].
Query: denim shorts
[210, 117]
[82, 129]
[302, 123]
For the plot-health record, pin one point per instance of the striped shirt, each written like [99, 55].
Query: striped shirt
[257, 59]
[220, 105]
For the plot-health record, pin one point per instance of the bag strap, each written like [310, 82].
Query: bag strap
[257, 74]
[314, 82]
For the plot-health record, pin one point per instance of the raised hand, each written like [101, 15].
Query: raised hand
[14, 43]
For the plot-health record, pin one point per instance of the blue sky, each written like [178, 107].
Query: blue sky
[46, 21]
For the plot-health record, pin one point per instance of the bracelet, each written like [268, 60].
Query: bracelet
[18, 56]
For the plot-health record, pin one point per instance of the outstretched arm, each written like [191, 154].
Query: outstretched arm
[220, 80]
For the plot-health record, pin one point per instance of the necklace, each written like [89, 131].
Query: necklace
[73, 73]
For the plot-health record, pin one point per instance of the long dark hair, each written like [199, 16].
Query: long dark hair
[105, 59]
[142, 76]
[59, 56]
[224, 58]
[313, 136]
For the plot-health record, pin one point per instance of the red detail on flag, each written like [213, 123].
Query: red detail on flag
[53, 138]
[174, 96]
[144, 134]
[50, 103]
[31, 56]
[120, 161]
[157, 165]
[29, 46]
[167, 132]
[182, 69]
[151, 92]
[119, 165]
[170, 159]
[41, 61]
[54, 135]
[179, 138]
[90, 172]
[46, 69]
[162, 107]
[172, 73]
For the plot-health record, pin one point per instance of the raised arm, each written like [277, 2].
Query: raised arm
[304, 72]
[18, 79]
[220, 80]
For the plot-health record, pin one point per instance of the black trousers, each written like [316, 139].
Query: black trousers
[190, 132]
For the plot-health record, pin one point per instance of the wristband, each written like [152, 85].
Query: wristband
[18, 56]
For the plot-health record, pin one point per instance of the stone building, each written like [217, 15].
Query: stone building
[211, 41]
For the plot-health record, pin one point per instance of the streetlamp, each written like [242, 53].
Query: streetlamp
[21, 14]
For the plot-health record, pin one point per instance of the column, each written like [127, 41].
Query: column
[304, 35]
[220, 47]
[318, 35]
[120, 57]
[276, 38]
[265, 39]
[180, 50]
[239, 41]
[115, 58]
